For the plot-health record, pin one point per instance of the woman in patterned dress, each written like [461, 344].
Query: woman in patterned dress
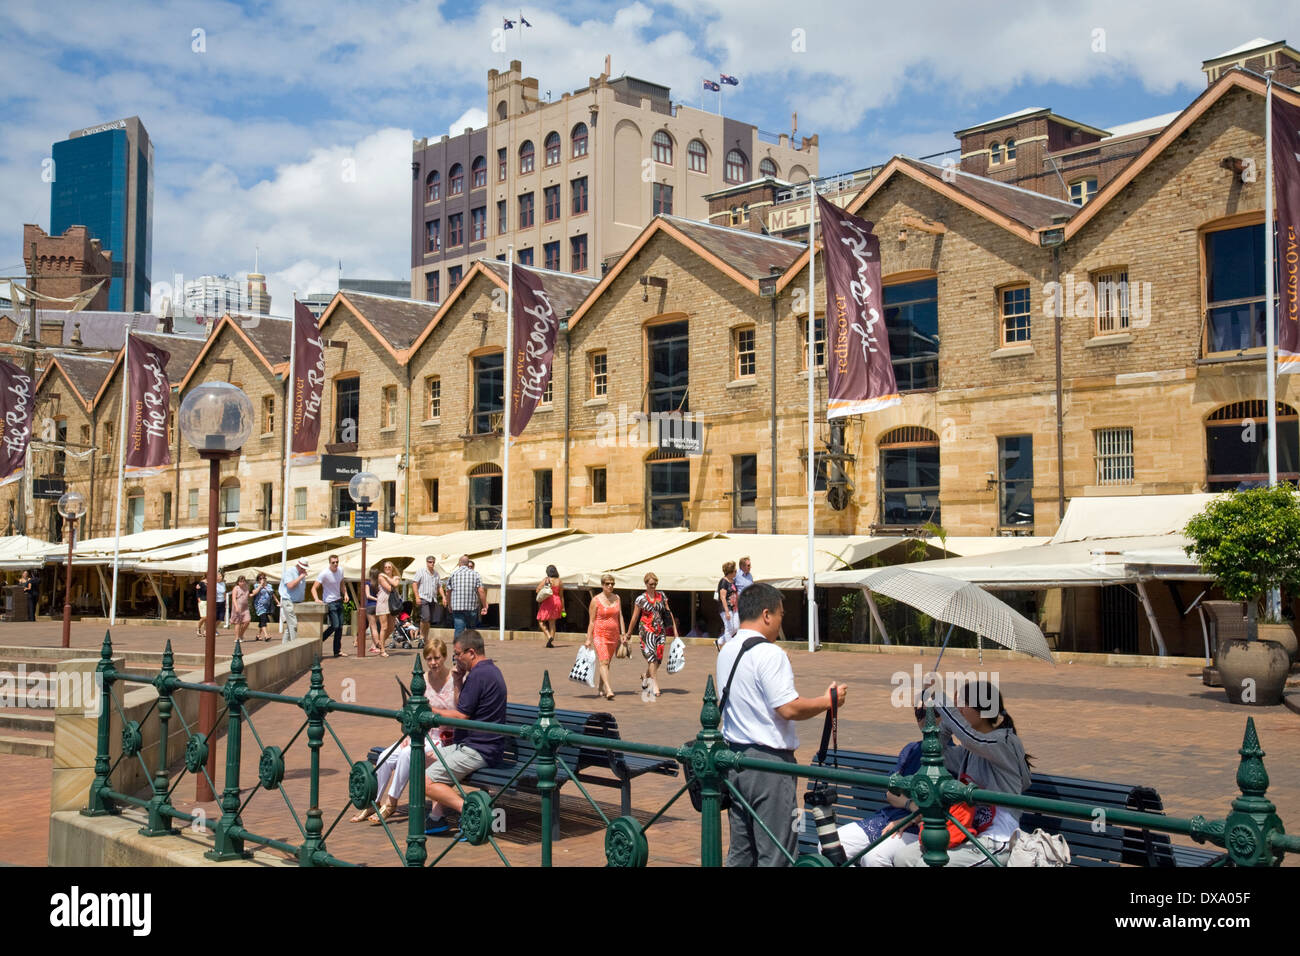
[652, 613]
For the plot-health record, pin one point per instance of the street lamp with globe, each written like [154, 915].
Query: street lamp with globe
[216, 418]
[72, 505]
[364, 488]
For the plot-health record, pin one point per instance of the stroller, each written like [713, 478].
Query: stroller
[407, 633]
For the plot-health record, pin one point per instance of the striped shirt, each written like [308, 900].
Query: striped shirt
[463, 585]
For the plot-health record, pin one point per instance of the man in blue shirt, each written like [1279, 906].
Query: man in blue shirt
[483, 697]
[293, 589]
[744, 576]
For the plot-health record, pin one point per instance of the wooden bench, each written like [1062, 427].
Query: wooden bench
[1111, 846]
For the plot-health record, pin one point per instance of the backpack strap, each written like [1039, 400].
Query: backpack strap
[744, 648]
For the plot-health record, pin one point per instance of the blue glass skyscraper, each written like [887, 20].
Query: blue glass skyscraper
[103, 180]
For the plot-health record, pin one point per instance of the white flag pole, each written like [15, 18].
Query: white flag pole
[121, 470]
[812, 377]
[507, 365]
[287, 420]
[1274, 598]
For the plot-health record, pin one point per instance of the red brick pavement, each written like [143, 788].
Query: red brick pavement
[1158, 727]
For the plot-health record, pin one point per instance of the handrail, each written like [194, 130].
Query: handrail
[1250, 833]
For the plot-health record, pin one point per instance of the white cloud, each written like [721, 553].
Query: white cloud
[472, 118]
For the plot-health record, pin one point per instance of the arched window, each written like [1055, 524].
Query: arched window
[579, 138]
[737, 167]
[907, 480]
[552, 148]
[1011, 151]
[526, 157]
[767, 167]
[995, 154]
[433, 187]
[698, 157]
[662, 145]
[479, 171]
[456, 180]
[1236, 446]
[501, 110]
[485, 497]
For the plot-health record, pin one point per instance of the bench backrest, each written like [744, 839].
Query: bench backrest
[576, 721]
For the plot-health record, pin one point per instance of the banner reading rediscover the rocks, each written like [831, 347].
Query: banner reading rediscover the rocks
[16, 395]
[149, 393]
[859, 372]
[308, 384]
[535, 329]
[1286, 174]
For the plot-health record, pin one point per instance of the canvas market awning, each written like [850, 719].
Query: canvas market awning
[19, 552]
[233, 556]
[582, 559]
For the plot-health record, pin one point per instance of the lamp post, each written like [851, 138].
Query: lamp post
[216, 418]
[72, 505]
[364, 488]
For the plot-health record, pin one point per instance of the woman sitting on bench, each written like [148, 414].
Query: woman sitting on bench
[992, 757]
[441, 689]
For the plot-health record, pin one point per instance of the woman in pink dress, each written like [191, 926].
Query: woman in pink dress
[239, 615]
[550, 609]
[605, 630]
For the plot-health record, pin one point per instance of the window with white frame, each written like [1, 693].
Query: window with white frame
[433, 391]
[746, 359]
[599, 374]
[1114, 456]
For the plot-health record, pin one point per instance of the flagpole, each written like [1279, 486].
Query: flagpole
[121, 469]
[288, 433]
[507, 368]
[812, 377]
[1274, 598]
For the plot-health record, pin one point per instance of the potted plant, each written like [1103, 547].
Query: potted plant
[1250, 541]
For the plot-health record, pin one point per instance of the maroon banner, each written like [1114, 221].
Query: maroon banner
[16, 389]
[535, 329]
[308, 382]
[1286, 174]
[859, 372]
[149, 394]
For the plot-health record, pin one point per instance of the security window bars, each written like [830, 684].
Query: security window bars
[1112, 301]
[1114, 456]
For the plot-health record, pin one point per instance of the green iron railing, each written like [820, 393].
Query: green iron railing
[1251, 834]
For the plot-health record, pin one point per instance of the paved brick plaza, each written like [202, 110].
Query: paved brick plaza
[1159, 727]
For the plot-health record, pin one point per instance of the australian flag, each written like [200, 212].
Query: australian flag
[729, 80]
[710, 85]
[523, 22]
[509, 24]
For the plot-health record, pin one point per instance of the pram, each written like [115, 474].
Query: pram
[406, 633]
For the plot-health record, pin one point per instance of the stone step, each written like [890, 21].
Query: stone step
[46, 658]
[25, 746]
[25, 722]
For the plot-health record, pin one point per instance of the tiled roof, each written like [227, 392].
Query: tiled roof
[183, 350]
[269, 336]
[565, 290]
[751, 254]
[85, 373]
[399, 321]
[1025, 207]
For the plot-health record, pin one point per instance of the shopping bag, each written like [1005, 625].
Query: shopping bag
[676, 655]
[584, 668]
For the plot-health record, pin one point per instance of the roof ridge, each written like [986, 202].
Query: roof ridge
[985, 179]
[549, 272]
[732, 232]
[380, 295]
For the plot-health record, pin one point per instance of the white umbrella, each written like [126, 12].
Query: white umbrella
[960, 604]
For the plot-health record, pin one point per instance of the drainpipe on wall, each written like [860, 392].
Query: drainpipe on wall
[406, 493]
[564, 331]
[1060, 411]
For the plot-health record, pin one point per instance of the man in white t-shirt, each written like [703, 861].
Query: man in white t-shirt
[329, 588]
[759, 709]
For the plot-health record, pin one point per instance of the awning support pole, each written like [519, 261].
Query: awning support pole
[103, 589]
[875, 616]
[1151, 619]
[162, 605]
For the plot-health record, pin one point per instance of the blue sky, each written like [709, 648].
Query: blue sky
[255, 108]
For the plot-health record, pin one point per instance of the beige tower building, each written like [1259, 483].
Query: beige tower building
[571, 183]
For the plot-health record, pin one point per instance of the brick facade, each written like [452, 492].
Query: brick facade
[67, 265]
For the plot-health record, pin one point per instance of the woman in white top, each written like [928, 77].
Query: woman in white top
[441, 689]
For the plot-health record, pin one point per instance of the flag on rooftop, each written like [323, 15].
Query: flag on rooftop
[729, 80]
[509, 24]
[710, 85]
[522, 21]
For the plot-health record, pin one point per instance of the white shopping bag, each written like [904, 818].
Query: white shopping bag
[584, 668]
[676, 655]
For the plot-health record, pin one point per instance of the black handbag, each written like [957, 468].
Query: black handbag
[693, 786]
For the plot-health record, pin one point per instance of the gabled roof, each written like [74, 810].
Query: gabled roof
[1019, 211]
[567, 291]
[744, 257]
[395, 323]
[267, 337]
[183, 349]
[1021, 115]
[84, 373]
[1233, 79]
